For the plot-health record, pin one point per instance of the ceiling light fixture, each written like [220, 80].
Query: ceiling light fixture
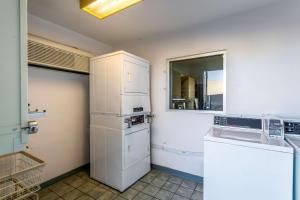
[104, 8]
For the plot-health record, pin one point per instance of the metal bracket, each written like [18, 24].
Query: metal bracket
[129, 122]
[150, 118]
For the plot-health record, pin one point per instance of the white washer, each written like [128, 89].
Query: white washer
[292, 136]
[294, 141]
[241, 163]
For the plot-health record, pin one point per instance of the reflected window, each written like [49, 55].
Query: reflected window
[197, 83]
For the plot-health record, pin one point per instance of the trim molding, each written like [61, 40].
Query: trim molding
[65, 175]
[180, 174]
[57, 69]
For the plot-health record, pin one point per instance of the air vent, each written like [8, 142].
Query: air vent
[45, 53]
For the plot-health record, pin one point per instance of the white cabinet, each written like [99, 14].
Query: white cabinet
[13, 75]
[119, 82]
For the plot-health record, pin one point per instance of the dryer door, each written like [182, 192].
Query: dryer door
[136, 147]
[136, 77]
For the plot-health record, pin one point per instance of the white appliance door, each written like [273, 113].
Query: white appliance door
[137, 147]
[13, 76]
[295, 142]
[241, 173]
[105, 85]
[136, 77]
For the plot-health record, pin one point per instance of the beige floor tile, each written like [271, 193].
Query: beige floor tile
[151, 190]
[177, 197]
[139, 186]
[96, 192]
[185, 192]
[142, 196]
[176, 180]
[61, 188]
[154, 172]
[158, 182]
[189, 184]
[43, 192]
[172, 187]
[85, 197]
[76, 181]
[129, 194]
[108, 195]
[199, 187]
[74, 194]
[164, 195]
[49, 196]
[148, 178]
[163, 176]
[119, 198]
[87, 187]
[197, 196]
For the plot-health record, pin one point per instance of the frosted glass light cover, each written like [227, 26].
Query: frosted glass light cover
[104, 8]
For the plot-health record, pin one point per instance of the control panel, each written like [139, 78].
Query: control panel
[134, 120]
[274, 128]
[292, 127]
[239, 122]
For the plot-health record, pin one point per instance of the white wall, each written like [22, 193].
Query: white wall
[63, 139]
[263, 68]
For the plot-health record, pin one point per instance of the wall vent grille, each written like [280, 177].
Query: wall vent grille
[45, 53]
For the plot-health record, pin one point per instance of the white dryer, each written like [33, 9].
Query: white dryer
[240, 162]
[120, 149]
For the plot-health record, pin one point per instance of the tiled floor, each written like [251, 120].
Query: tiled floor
[155, 185]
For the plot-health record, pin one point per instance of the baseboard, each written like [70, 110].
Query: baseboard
[180, 174]
[65, 175]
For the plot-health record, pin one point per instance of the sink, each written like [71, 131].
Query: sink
[238, 135]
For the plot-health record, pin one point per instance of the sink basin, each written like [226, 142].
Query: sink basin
[238, 135]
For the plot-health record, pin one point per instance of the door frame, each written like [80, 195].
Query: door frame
[23, 70]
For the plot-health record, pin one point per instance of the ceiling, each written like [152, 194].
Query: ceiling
[146, 19]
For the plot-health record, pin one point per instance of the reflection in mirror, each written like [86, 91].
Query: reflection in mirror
[197, 83]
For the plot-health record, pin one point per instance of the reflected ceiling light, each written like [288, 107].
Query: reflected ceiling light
[104, 8]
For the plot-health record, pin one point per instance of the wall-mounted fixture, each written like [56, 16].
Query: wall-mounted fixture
[36, 113]
[104, 8]
[49, 54]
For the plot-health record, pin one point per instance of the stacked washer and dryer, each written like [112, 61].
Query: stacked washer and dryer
[120, 115]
